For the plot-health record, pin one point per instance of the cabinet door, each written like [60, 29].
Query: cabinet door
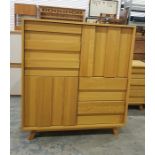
[105, 51]
[50, 101]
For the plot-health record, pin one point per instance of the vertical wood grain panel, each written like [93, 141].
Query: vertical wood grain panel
[112, 52]
[100, 48]
[125, 50]
[87, 51]
[44, 101]
[58, 97]
[30, 102]
[70, 101]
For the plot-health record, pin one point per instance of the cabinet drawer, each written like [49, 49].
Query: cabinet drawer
[101, 107]
[136, 100]
[53, 27]
[137, 93]
[137, 82]
[98, 83]
[138, 70]
[138, 76]
[100, 119]
[137, 87]
[102, 96]
[51, 54]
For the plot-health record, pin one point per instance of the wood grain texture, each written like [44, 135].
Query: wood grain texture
[70, 101]
[76, 75]
[52, 27]
[137, 83]
[87, 51]
[136, 100]
[124, 54]
[50, 101]
[137, 93]
[98, 83]
[100, 50]
[138, 70]
[112, 52]
[101, 107]
[58, 97]
[100, 119]
[138, 76]
[101, 96]
[52, 72]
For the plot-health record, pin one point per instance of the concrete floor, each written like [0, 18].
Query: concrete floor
[131, 140]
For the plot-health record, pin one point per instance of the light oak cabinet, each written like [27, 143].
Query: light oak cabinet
[137, 84]
[75, 75]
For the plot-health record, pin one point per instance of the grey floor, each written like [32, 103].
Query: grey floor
[131, 140]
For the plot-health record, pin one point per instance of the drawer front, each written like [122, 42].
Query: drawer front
[138, 70]
[138, 76]
[136, 100]
[102, 96]
[98, 83]
[132, 87]
[137, 93]
[52, 49]
[101, 107]
[137, 82]
[100, 119]
[102, 89]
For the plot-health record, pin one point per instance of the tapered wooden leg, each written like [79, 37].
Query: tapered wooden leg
[141, 107]
[32, 135]
[115, 132]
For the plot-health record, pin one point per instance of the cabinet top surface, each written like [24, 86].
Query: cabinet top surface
[138, 63]
[78, 23]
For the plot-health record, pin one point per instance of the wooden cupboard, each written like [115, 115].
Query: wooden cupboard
[75, 75]
[137, 84]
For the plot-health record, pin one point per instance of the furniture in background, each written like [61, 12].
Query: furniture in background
[15, 62]
[23, 11]
[139, 51]
[137, 84]
[58, 13]
[73, 79]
